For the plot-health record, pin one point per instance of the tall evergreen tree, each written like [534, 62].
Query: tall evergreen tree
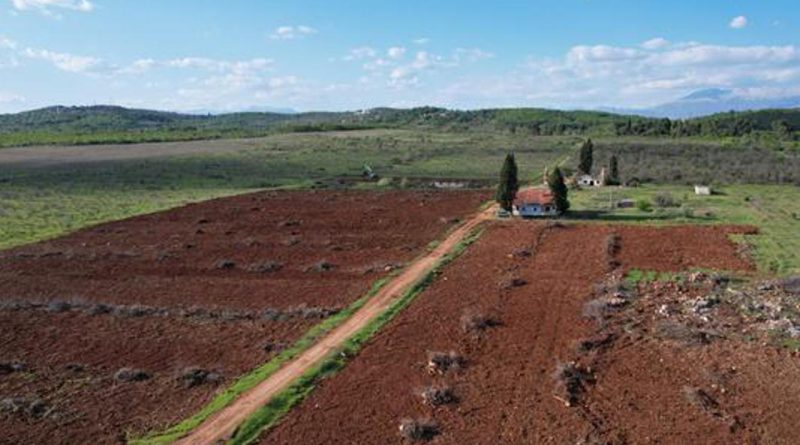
[509, 184]
[585, 161]
[559, 190]
[613, 171]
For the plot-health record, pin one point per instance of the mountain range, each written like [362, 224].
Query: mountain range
[709, 101]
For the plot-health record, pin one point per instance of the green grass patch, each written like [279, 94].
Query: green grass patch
[774, 209]
[638, 276]
[258, 375]
[270, 413]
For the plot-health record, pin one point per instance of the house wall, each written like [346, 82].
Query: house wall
[534, 210]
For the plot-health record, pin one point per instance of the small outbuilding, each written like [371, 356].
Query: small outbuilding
[702, 190]
[534, 202]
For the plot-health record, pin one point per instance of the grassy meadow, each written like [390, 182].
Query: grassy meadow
[38, 202]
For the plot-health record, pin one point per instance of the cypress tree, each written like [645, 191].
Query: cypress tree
[585, 161]
[613, 171]
[507, 189]
[559, 190]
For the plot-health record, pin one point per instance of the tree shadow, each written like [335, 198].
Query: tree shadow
[603, 215]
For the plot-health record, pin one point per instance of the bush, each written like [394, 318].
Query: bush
[475, 322]
[438, 395]
[571, 381]
[195, 376]
[442, 362]
[321, 266]
[265, 267]
[58, 306]
[131, 375]
[225, 264]
[644, 205]
[664, 200]
[418, 429]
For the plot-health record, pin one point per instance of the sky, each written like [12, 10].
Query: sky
[218, 56]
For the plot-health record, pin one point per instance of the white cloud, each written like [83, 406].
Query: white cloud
[396, 52]
[292, 32]
[7, 43]
[363, 52]
[47, 6]
[421, 41]
[640, 75]
[656, 43]
[471, 54]
[6, 97]
[738, 22]
[64, 61]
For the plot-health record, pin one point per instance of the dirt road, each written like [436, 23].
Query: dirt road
[221, 425]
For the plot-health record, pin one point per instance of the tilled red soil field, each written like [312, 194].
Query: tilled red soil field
[528, 282]
[187, 300]
[272, 249]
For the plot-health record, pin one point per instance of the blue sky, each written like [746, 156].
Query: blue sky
[333, 55]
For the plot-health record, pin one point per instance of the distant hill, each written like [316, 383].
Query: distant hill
[113, 124]
[710, 101]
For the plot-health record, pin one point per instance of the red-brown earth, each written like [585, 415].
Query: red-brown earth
[149, 293]
[507, 390]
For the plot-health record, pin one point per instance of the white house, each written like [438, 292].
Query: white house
[531, 202]
[702, 190]
[585, 180]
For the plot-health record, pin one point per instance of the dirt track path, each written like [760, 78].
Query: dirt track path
[221, 425]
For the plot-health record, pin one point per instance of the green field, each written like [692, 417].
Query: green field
[775, 210]
[42, 202]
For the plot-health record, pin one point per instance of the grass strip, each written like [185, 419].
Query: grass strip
[270, 413]
[259, 374]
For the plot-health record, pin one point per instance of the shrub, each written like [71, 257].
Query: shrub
[225, 264]
[571, 381]
[418, 429]
[34, 408]
[644, 205]
[320, 266]
[131, 375]
[476, 322]
[265, 267]
[194, 376]
[664, 199]
[58, 306]
[438, 395]
[442, 362]
[11, 367]
[98, 309]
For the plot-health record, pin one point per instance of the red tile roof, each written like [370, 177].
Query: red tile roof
[533, 196]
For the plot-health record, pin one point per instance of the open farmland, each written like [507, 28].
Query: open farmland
[220, 287]
[530, 284]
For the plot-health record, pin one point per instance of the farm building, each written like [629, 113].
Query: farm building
[584, 180]
[703, 190]
[531, 202]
